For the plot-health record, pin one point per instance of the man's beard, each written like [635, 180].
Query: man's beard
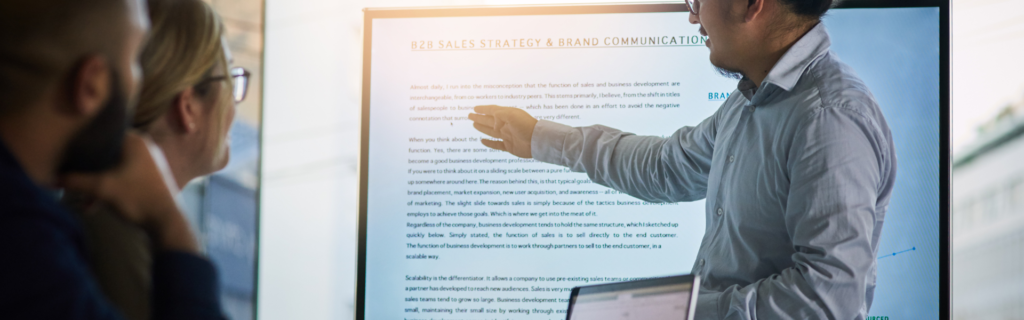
[98, 146]
[731, 74]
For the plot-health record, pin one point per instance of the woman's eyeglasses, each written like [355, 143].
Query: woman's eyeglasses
[239, 80]
[694, 6]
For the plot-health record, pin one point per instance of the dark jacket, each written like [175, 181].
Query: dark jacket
[44, 273]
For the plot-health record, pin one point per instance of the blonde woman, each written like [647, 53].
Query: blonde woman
[186, 105]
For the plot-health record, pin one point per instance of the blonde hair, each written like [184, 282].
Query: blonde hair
[183, 47]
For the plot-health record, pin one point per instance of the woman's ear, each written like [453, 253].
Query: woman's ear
[186, 110]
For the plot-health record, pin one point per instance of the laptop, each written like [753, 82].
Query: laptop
[650, 299]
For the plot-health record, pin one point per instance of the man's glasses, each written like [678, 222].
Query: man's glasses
[694, 6]
[239, 80]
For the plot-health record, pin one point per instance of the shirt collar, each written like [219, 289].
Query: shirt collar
[787, 72]
[17, 190]
[14, 180]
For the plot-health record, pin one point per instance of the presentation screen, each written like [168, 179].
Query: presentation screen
[451, 229]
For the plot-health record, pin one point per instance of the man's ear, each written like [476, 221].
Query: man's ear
[755, 9]
[185, 111]
[91, 86]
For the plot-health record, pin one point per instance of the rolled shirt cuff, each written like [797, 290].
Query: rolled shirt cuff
[707, 306]
[548, 142]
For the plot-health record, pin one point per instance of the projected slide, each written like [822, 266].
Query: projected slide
[455, 230]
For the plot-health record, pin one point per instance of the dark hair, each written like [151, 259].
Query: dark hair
[44, 39]
[808, 8]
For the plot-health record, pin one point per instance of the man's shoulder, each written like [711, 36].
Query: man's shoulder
[22, 202]
[838, 86]
[31, 220]
[841, 95]
[41, 250]
[29, 228]
[45, 273]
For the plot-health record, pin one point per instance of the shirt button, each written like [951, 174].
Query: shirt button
[721, 211]
[732, 158]
[702, 262]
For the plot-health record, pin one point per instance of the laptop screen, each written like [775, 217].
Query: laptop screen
[654, 299]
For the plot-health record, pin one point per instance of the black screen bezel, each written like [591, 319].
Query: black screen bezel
[944, 102]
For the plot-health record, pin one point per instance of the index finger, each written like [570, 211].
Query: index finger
[482, 119]
[487, 109]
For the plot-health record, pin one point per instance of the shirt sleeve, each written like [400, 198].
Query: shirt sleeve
[838, 163]
[650, 168]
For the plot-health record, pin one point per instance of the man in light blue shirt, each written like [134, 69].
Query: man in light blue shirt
[797, 166]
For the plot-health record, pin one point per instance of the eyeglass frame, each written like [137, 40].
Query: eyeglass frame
[693, 6]
[238, 92]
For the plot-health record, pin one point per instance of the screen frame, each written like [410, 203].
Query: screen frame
[945, 176]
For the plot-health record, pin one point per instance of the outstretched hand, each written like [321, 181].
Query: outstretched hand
[513, 126]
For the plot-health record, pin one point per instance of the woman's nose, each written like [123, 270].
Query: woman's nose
[694, 19]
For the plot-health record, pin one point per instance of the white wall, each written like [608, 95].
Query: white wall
[988, 39]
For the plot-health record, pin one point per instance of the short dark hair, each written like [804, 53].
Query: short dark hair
[44, 39]
[808, 8]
